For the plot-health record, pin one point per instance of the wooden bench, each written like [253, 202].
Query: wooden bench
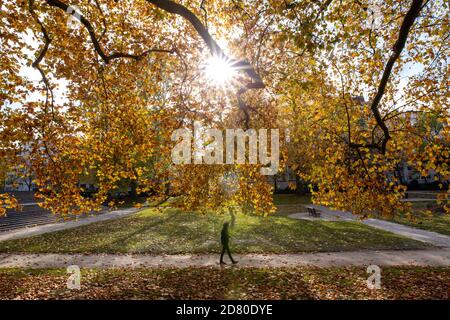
[313, 212]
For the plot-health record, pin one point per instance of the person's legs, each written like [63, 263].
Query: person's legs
[221, 255]
[229, 254]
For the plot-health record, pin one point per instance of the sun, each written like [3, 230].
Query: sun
[219, 70]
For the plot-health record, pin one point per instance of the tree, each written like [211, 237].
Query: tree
[132, 73]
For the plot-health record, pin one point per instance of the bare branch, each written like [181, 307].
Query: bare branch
[407, 23]
[205, 13]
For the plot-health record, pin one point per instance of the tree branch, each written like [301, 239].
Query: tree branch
[41, 55]
[178, 9]
[214, 48]
[98, 48]
[407, 23]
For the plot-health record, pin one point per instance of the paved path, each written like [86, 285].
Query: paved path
[434, 257]
[433, 238]
[32, 215]
[24, 204]
[37, 230]
[418, 200]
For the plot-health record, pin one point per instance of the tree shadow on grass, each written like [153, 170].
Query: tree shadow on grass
[281, 234]
[145, 229]
[173, 232]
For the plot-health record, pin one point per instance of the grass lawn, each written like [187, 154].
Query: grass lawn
[227, 283]
[169, 231]
[437, 221]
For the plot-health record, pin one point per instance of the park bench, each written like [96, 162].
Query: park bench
[313, 212]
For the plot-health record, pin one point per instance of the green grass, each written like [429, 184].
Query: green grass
[227, 283]
[170, 231]
[437, 221]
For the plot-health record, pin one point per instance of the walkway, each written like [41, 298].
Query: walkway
[418, 200]
[32, 215]
[37, 230]
[434, 257]
[433, 238]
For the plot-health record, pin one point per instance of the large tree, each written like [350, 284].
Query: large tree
[115, 78]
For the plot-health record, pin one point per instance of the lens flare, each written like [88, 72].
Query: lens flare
[219, 70]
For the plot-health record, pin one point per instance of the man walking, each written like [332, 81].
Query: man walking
[225, 240]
